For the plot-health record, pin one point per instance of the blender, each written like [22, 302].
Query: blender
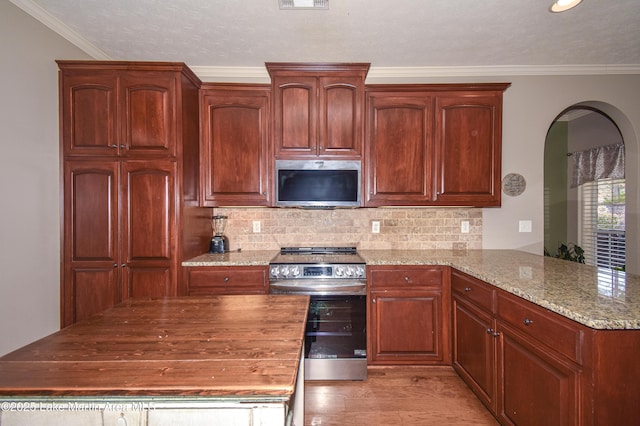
[219, 242]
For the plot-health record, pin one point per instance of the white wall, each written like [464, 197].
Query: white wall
[29, 216]
[29, 176]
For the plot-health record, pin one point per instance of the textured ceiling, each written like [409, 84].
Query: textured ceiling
[396, 33]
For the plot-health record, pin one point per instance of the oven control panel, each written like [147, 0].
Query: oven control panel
[293, 271]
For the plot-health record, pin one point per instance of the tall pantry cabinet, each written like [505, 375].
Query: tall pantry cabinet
[129, 149]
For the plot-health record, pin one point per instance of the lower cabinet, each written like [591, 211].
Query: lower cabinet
[474, 350]
[225, 280]
[537, 386]
[523, 362]
[408, 315]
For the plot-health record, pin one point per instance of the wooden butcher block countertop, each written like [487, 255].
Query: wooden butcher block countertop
[205, 346]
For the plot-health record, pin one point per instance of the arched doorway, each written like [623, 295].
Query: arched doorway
[581, 128]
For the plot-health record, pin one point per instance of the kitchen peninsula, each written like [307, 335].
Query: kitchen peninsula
[205, 360]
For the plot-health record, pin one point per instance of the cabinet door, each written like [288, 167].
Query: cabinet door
[474, 350]
[88, 113]
[90, 244]
[234, 147]
[406, 327]
[148, 114]
[468, 149]
[400, 150]
[295, 112]
[536, 387]
[148, 227]
[340, 116]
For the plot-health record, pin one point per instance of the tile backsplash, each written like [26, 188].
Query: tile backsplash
[400, 228]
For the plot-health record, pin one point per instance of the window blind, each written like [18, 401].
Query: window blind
[602, 223]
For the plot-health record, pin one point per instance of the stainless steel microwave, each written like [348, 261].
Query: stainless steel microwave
[318, 183]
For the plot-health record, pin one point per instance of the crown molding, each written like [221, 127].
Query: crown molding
[259, 74]
[60, 28]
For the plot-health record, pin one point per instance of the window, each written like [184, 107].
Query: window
[602, 227]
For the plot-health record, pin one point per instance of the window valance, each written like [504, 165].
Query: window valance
[598, 163]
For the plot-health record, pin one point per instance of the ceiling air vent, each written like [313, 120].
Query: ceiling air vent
[303, 4]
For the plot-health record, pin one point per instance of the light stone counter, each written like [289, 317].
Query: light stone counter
[598, 298]
[234, 258]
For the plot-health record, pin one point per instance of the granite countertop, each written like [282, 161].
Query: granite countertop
[233, 258]
[595, 297]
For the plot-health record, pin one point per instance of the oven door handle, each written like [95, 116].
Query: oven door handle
[318, 287]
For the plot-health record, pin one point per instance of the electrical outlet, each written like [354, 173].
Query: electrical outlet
[524, 226]
[375, 227]
[256, 226]
[464, 226]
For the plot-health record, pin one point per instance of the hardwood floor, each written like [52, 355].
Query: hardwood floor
[395, 396]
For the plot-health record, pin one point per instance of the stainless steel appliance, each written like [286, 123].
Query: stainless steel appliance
[335, 334]
[318, 183]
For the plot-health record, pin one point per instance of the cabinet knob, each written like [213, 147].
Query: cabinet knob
[495, 334]
[114, 146]
[226, 279]
[467, 289]
[123, 265]
[374, 300]
[407, 279]
[527, 321]
[115, 265]
[123, 146]
[489, 330]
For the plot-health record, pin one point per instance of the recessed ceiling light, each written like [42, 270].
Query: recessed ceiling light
[303, 4]
[562, 5]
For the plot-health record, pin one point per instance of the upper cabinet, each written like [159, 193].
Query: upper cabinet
[399, 149]
[318, 109]
[468, 146]
[121, 112]
[433, 145]
[234, 136]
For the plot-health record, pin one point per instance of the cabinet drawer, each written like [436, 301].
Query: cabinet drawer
[406, 277]
[225, 280]
[547, 327]
[472, 289]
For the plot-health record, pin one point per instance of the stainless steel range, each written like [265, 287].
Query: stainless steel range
[335, 335]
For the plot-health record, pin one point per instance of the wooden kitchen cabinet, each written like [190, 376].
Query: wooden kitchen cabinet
[318, 109]
[130, 211]
[234, 149]
[523, 362]
[118, 113]
[120, 228]
[408, 315]
[468, 143]
[399, 150]
[473, 340]
[226, 280]
[434, 144]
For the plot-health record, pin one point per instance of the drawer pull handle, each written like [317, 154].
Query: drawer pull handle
[467, 289]
[527, 321]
